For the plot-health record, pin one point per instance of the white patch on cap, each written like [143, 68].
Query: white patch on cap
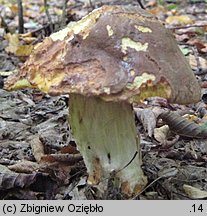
[60, 35]
[129, 43]
[109, 30]
[139, 80]
[76, 27]
[106, 90]
[143, 29]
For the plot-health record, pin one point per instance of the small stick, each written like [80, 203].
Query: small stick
[48, 15]
[91, 4]
[1, 82]
[187, 26]
[4, 24]
[63, 20]
[195, 50]
[20, 16]
[201, 72]
[140, 3]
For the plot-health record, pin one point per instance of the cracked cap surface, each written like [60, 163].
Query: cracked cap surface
[116, 53]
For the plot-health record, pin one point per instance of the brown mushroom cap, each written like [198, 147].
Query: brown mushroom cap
[116, 53]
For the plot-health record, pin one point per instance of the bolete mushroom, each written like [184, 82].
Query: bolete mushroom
[113, 57]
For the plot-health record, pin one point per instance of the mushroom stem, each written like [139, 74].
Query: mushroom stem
[106, 137]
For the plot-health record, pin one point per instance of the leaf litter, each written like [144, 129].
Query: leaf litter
[38, 156]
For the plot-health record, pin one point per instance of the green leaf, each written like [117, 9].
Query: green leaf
[161, 2]
[185, 50]
[204, 125]
[172, 7]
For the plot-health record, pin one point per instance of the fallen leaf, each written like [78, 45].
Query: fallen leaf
[147, 118]
[200, 45]
[161, 133]
[157, 102]
[190, 117]
[10, 179]
[22, 194]
[172, 7]
[179, 20]
[25, 167]
[151, 3]
[24, 50]
[4, 169]
[182, 37]
[185, 50]
[29, 40]
[31, 25]
[14, 8]
[7, 73]
[15, 47]
[37, 148]
[194, 62]
[168, 172]
[194, 193]
[66, 158]
[13, 40]
[69, 149]
[157, 11]
[182, 126]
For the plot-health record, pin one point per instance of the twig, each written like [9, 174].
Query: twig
[169, 173]
[4, 24]
[62, 158]
[197, 2]
[1, 82]
[149, 185]
[20, 17]
[169, 143]
[140, 3]
[48, 15]
[201, 72]
[91, 4]
[187, 26]
[63, 20]
[195, 50]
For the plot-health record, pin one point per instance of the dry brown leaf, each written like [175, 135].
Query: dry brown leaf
[37, 148]
[158, 10]
[10, 179]
[152, 3]
[181, 38]
[24, 50]
[4, 169]
[25, 167]
[194, 63]
[13, 8]
[200, 45]
[194, 193]
[161, 133]
[13, 40]
[182, 126]
[58, 171]
[69, 149]
[147, 118]
[27, 37]
[190, 117]
[68, 158]
[15, 47]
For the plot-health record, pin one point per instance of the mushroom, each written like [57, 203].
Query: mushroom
[110, 59]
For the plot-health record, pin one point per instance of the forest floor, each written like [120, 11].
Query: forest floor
[35, 140]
